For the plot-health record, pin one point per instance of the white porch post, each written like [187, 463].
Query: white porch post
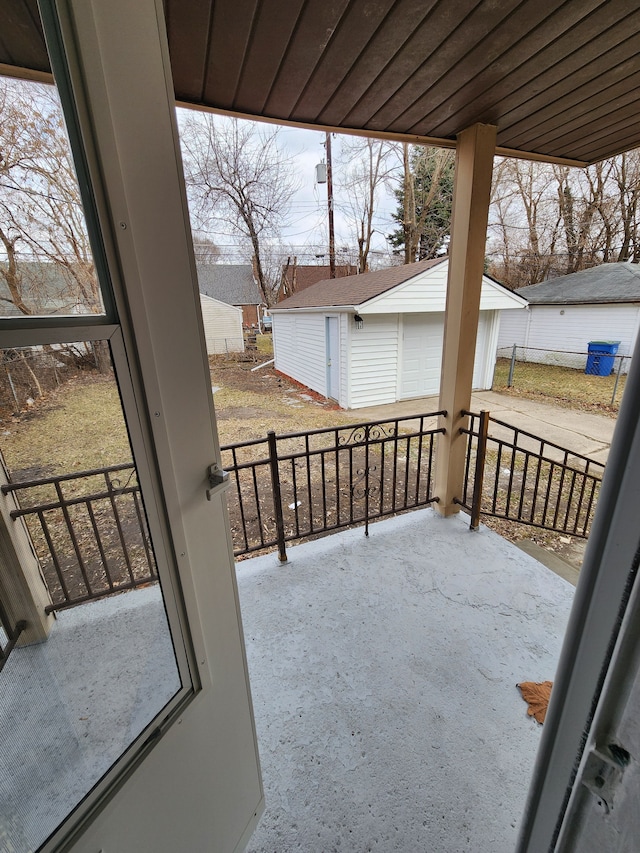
[23, 591]
[472, 192]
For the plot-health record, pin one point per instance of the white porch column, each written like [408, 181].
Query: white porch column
[23, 591]
[471, 196]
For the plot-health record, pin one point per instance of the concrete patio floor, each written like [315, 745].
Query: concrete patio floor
[70, 706]
[384, 673]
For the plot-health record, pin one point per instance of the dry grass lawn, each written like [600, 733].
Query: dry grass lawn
[79, 425]
[76, 427]
[560, 385]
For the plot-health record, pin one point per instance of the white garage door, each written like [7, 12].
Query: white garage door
[422, 354]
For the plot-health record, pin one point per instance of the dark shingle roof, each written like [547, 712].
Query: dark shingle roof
[301, 276]
[356, 289]
[230, 283]
[618, 282]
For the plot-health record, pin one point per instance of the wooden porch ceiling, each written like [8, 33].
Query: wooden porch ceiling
[558, 79]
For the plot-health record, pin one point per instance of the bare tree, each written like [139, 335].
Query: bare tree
[48, 263]
[549, 220]
[238, 177]
[206, 251]
[367, 166]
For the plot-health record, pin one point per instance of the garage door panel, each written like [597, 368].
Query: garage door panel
[422, 354]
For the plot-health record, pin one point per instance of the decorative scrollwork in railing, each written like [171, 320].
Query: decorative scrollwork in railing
[362, 486]
[368, 432]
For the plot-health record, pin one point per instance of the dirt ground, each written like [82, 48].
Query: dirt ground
[249, 402]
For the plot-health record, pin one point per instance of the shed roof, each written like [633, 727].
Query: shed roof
[299, 277]
[230, 283]
[356, 289]
[558, 78]
[619, 282]
[370, 290]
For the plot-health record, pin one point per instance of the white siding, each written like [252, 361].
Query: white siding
[299, 348]
[222, 326]
[427, 292]
[485, 363]
[513, 327]
[549, 329]
[374, 362]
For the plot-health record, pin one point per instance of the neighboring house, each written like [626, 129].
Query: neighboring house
[50, 288]
[565, 313]
[222, 326]
[234, 284]
[297, 277]
[377, 337]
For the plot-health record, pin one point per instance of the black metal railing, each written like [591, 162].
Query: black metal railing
[518, 476]
[293, 486]
[89, 532]
[9, 635]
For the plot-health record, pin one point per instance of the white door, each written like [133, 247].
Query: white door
[183, 774]
[584, 792]
[421, 354]
[332, 325]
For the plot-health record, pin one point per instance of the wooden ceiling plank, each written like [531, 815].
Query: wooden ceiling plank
[188, 29]
[420, 63]
[577, 69]
[229, 36]
[613, 145]
[26, 47]
[361, 23]
[482, 94]
[406, 18]
[593, 133]
[316, 27]
[458, 59]
[547, 111]
[616, 101]
[274, 26]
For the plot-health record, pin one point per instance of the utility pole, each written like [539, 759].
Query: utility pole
[332, 239]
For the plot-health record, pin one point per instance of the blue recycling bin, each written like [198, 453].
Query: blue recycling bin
[601, 357]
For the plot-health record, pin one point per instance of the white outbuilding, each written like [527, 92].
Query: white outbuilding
[222, 326]
[568, 312]
[377, 338]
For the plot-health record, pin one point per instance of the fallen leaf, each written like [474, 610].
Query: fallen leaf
[537, 694]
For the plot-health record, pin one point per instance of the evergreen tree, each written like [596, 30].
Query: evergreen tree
[424, 203]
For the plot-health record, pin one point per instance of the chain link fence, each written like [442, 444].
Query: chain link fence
[584, 377]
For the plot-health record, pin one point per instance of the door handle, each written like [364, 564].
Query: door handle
[218, 480]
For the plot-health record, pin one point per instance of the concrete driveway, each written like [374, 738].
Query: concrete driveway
[582, 432]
